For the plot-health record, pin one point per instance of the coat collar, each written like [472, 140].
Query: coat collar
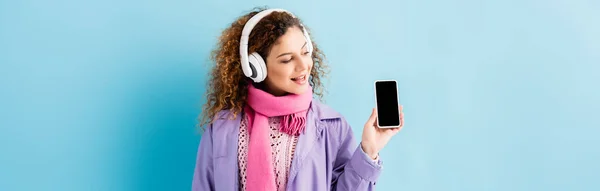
[317, 113]
[323, 111]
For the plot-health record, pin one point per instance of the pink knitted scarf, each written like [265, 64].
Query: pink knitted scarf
[262, 105]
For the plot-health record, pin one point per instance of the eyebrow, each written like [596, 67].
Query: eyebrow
[290, 52]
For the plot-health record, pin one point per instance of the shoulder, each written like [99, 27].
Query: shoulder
[331, 119]
[224, 121]
[324, 112]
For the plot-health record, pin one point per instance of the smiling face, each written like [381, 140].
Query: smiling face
[289, 64]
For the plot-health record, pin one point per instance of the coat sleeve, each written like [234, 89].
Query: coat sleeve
[203, 172]
[353, 169]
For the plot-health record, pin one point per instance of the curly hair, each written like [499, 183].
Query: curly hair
[227, 85]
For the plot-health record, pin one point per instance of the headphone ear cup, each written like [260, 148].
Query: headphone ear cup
[309, 48]
[258, 66]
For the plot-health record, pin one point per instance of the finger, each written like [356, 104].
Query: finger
[373, 117]
[390, 131]
[402, 119]
[400, 107]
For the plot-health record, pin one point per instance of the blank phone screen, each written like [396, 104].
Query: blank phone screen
[386, 93]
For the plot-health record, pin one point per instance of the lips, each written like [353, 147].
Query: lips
[300, 79]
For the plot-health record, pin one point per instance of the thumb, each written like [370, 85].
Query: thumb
[373, 117]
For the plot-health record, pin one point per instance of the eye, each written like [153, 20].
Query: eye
[306, 53]
[287, 61]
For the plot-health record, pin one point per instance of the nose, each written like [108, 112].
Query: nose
[303, 64]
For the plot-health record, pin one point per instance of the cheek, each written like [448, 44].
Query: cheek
[278, 73]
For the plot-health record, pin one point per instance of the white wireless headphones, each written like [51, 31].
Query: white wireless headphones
[253, 64]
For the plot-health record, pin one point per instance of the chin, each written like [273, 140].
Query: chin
[298, 90]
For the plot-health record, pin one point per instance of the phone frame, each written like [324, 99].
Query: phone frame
[376, 105]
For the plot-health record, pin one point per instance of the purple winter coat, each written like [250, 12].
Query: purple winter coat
[327, 156]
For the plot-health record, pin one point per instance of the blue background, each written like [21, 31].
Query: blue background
[498, 95]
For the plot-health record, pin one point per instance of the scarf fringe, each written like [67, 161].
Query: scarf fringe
[293, 124]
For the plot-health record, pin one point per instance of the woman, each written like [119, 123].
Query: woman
[265, 130]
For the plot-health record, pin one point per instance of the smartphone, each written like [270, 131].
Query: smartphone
[386, 99]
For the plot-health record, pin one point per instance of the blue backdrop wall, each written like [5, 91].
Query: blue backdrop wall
[498, 95]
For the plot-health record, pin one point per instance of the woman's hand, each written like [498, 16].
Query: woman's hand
[375, 138]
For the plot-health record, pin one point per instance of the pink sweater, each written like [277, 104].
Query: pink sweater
[282, 148]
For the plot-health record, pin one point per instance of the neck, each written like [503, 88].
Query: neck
[274, 92]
